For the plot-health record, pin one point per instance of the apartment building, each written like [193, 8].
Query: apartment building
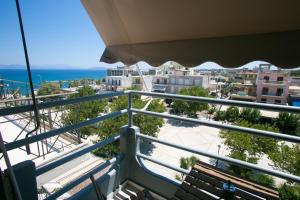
[273, 86]
[121, 78]
[172, 79]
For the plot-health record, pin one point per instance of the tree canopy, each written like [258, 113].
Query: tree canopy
[288, 123]
[250, 148]
[85, 110]
[189, 107]
[49, 88]
[148, 125]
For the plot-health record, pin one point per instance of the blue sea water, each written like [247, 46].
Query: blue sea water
[44, 75]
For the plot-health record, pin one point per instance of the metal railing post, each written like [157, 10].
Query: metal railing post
[130, 119]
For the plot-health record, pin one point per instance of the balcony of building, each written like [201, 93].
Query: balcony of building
[126, 176]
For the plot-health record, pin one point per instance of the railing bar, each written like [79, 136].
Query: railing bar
[84, 177]
[178, 169]
[270, 134]
[27, 108]
[263, 106]
[51, 133]
[227, 159]
[74, 155]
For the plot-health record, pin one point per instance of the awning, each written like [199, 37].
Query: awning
[190, 32]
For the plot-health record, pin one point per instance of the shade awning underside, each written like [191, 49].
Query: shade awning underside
[230, 33]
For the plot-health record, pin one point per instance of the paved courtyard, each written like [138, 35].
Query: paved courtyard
[193, 136]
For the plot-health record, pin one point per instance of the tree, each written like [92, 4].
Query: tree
[186, 163]
[220, 115]
[148, 125]
[288, 123]
[49, 88]
[85, 110]
[232, 114]
[287, 158]
[289, 192]
[249, 148]
[188, 107]
[251, 115]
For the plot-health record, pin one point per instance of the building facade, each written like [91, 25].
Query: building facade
[273, 86]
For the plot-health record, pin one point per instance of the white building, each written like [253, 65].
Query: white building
[172, 78]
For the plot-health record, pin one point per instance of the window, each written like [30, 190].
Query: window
[165, 81]
[265, 91]
[157, 81]
[279, 92]
[186, 82]
[119, 82]
[173, 80]
[280, 78]
[181, 81]
[263, 100]
[266, 78]
[278, 101]
[197, 82]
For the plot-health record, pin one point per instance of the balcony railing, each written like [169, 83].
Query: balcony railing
[128, 165]
[273, 82]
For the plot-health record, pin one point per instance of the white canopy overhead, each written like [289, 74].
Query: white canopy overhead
[231, 32]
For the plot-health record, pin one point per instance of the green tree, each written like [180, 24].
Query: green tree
[251, 115]
[289, 191]
[287, 158]
[220, 115]
[188, 107]
[250, 148]
[232, 114]
[288, 123]
[85, 110]
[148, 125]
[186, 163]
[49, 88]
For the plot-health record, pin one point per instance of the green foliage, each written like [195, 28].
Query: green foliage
[188, 107]
[249, 148]
[178, 177]
[247, 143]
[220, 115]
[263, 179]
[83, 111]
[288, 123]
[148, 125]
[188, 162]
[287, 158]
[212, 109]
[232, 114]
[289, 192]
[251, 115]
[295, 73]
[49, 88]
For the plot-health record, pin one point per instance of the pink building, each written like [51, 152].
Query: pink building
[272, 86]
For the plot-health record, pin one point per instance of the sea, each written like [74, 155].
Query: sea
[46, 75]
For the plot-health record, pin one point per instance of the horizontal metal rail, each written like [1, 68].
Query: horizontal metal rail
[51, 133]
[178, 169]
[27, 108]
[262, 106]
[76, 154]
[223, 158]
[84, 177]
[37, 97]
[214, 124]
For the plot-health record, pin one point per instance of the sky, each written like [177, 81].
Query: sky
[59, 33]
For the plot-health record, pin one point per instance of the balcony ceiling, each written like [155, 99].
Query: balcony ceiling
[231, 33]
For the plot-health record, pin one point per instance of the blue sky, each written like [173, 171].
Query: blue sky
[58, 33]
